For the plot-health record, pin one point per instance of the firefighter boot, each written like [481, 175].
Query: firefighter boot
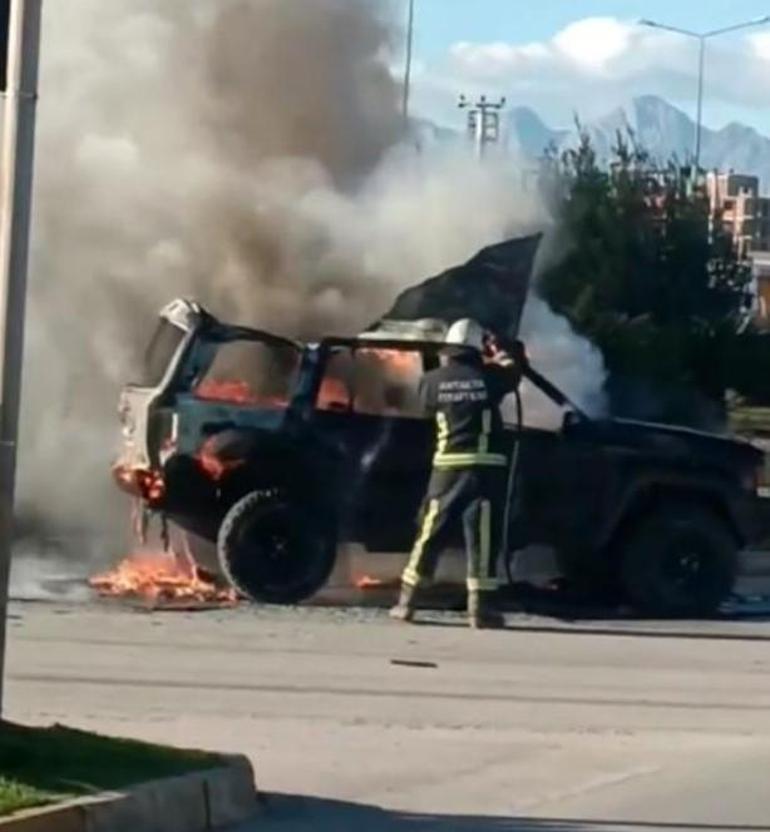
[483, 614]
[405, 608]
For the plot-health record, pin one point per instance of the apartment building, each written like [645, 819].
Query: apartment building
[761, 274]
[735, 198]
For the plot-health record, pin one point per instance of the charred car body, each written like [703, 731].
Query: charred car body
[278, 451]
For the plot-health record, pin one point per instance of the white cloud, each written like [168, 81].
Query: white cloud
[598, 63]
[589, 45]
[595, 41]
[495, 59]
[760, 42]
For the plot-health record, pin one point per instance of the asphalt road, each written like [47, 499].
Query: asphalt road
[356, 723]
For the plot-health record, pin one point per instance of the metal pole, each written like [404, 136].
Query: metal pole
[699, 120]
[481, 116]
[702, 37]
[17, 167]
[483, 121]
[408, 69]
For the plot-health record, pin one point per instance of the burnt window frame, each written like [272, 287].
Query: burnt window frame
[207, 345]
[429, 351]
[150, 380]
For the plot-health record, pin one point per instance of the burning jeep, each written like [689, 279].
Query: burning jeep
[278, 451]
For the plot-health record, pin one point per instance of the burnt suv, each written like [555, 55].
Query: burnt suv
[277, 451]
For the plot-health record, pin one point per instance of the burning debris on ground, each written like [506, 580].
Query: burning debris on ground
[163, 579]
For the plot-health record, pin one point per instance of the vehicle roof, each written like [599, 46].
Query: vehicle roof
[383, 343]
[230, 332]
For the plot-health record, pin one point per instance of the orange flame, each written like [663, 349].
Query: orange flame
[139, 482]
[212, 464]
[236, 391]
[333, 394]
[367, 582]
[399, 361]
[160, 577]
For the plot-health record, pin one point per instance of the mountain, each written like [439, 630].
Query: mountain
[660, 128]
[528, 133]
[426, 133]
[666, 131]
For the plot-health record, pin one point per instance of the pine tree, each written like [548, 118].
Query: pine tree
[649, 277]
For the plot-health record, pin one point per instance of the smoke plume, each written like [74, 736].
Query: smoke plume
[248, 153]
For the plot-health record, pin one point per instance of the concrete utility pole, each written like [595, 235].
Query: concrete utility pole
[702, 37]
[408, 68]
[15, 203]
[483, 121]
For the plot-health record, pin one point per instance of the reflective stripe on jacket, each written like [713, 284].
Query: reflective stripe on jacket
[465, 397]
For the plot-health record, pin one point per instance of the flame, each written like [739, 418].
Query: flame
[367, 582]
[149, 485]
[153, 486]
[162, 577]
[236, 391]
[124, 475]
[212, 464]
[333, 394]
[400, 362]
[400, 366]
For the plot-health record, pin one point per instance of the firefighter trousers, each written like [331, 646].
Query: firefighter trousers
[473, 497]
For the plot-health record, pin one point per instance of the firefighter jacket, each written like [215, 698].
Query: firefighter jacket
[464, 397]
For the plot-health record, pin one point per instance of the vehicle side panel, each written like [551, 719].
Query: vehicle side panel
[562, 488]
[383, 466]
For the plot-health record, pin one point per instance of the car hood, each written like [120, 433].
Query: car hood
[491, 288]
[667, 440]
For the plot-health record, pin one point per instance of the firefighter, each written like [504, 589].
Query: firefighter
[469, 476]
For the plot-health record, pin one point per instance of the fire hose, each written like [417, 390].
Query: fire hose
[517, 350]
[545, 386]
[510, 491]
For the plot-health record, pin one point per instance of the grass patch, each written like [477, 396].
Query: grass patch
[16, 796]
[43, 765]
[750, 420]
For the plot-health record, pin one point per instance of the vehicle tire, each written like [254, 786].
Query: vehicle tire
[588, 575]
[270, 554]
[680, 561]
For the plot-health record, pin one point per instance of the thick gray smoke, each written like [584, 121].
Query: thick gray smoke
[183, 148]
[573, 362]
[247, 153]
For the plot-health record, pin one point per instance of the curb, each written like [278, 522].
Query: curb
[197, 802]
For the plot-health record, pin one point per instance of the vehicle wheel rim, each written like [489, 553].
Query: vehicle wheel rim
[271, 546]
[684, 567]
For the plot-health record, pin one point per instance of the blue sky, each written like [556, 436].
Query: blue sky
[442, 22]
[642, 62]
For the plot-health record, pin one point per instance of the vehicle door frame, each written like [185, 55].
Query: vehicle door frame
[429, 351]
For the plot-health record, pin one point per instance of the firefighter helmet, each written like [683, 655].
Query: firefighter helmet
[466, 333]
